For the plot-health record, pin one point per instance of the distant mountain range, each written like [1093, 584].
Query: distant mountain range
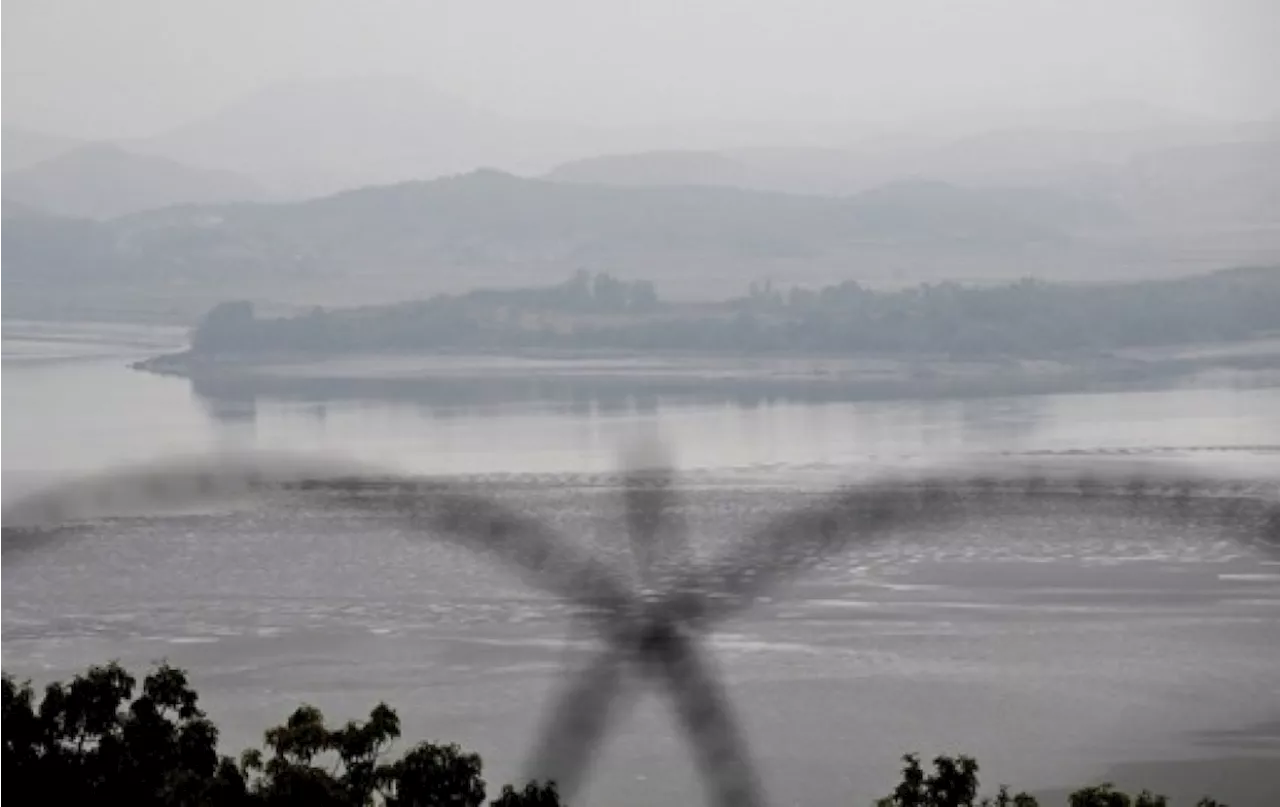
[19, 214]
[23, 147]
[311, 138]
[103, 181]
[1177, 183]
[315, 137]
[488, 227]
[378, 179]
[658, 168]
[1235, 183]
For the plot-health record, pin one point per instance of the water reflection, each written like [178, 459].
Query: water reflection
[461, 390]
[229, 410]
[233, 396]
[575, 422]
[92, 413]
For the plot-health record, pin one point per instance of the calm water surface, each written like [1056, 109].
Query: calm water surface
[1122, 642]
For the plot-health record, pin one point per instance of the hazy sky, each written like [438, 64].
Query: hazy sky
[133, 67]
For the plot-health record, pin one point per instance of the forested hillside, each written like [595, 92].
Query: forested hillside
[1024, 319]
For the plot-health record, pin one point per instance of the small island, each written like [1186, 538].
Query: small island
[848, 340]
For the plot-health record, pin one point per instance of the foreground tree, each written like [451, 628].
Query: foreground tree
[533, 795]
[954, 783]
[93, 742]
[87, 742]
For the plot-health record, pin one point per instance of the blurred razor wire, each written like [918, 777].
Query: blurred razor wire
[651, 617]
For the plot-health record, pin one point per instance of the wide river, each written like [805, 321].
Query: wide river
[1047, 648]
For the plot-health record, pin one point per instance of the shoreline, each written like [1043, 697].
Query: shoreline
[457, 378]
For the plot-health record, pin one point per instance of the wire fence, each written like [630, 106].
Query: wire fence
[651, 624]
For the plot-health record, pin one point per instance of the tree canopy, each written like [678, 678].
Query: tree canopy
[94, 741]
[102, 739]
[1027, 319]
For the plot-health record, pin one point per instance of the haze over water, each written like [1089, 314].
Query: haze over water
[75, 406]
[1129, 643]
[700, 224]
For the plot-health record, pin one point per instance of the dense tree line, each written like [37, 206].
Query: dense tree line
[1025, 319]
[93, 741]
[479, 319]
[101, 739]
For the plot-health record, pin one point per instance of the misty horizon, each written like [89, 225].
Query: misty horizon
[1100, 114]
[120, 72]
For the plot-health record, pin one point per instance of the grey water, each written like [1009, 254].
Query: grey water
[1047, 649]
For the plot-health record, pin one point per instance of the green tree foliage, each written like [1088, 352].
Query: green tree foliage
[1024, 319]
[1105, 795]
[91, 741]
[94, 741]
[228, 325]
[533, 795]
[954, 783]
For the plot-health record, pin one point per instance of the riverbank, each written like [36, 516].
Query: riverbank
[567, 376]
